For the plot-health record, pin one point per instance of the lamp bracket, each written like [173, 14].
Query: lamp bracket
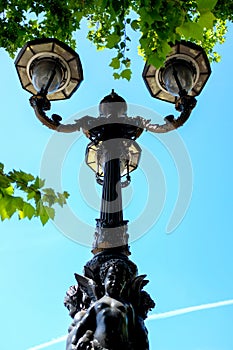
[185, 104]
[40, 104]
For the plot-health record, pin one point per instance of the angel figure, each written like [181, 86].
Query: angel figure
[109, 322]
[109, 315]
[77, 300]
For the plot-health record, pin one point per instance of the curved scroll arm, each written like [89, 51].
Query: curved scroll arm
[40, 104]
[185, 105]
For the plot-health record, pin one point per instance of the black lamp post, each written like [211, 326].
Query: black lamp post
[108, 304]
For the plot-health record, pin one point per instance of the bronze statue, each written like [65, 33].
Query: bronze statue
[115, 320]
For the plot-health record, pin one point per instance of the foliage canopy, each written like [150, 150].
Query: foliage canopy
[111, 22]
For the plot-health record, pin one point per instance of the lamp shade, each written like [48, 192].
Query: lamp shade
[186, 68]
[50, 66]
[129, 158]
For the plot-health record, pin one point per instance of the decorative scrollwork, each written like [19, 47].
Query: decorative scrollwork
[91, 125]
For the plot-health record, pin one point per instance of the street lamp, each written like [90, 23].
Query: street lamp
[108, 304]
[185, 71]
[129, 158]
[183, 76]
[49, 67]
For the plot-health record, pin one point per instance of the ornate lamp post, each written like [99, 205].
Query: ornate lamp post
[108, 304]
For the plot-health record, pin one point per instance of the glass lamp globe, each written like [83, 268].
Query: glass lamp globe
[186, 68]
[45, 70]
[50, 66]
[184, 73]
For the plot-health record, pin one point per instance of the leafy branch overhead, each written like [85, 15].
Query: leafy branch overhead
[25, 195]
[111, 24]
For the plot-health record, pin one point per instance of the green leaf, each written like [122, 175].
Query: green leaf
[165, 49]
[116, 76]
[112, 40]
[206, 5]
[27, 212]
[44, 218]
[9, 205]
[38, 183]
[126, 62]
[41, 212]
[4, 181]
[206, 20]
[50, 212]
[3, 211]
[122, 45]
[66, 194]
[190, 30]
[49, 196]
[9, 190]
[156, 61]
[135, 24]
[31, 194]
[115, 63]
[16, 202]
[1, 167]
[61, 198]
[126, 74]
[21, 176]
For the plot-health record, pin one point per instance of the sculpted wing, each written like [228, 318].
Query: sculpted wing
[87, 285]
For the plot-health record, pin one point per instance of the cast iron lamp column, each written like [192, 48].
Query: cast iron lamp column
[113, 154]
[110, 288]
[110, 228]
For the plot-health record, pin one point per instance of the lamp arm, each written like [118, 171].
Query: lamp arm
[185, 105]
[40, 104]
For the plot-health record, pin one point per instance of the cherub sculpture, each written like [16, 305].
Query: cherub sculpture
[115, 319]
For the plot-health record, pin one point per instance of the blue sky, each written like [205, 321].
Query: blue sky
[190, 266]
